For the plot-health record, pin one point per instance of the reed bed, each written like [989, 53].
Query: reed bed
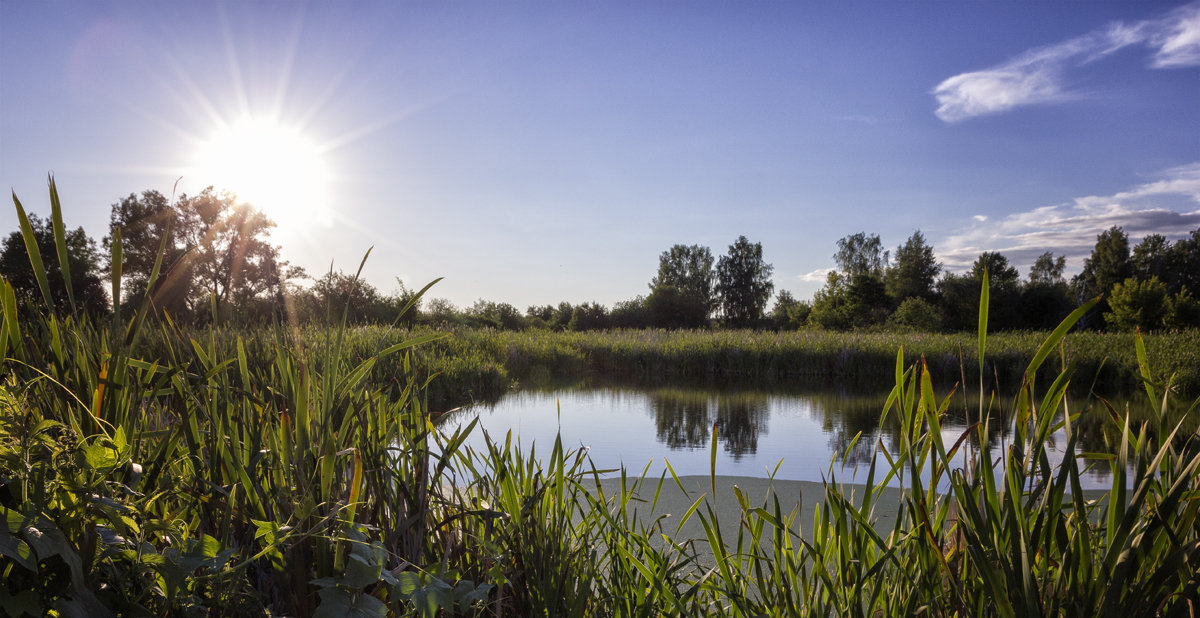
[480, 364]
[151, 470]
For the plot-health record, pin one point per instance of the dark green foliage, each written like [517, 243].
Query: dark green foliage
[669, 308]
[914, 272]
[918, 314]
[487, 314]
[83, 263]
[686, 276]
[159, 470]
[856, 295]
[215, 255]
[1005, 289]
[1108, 265]
[861, 254]
[633, 313]
[1139, 304]
[589, 316]
[1151, 257]
[1184, 263]
[1045, 297]
[789, 313]
[1183, 310]
[743, 283]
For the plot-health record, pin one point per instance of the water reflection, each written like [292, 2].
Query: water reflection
[684, 419]
[633, 424]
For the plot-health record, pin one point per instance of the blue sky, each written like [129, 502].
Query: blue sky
[536, 152]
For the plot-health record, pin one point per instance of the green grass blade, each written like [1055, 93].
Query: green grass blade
[35, 254]
[60, 243]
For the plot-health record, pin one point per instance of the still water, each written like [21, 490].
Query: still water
[793, 434]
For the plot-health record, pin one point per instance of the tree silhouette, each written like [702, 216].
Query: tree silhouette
[83, 261]
[681, 293]
[743, 283]
[212, 248]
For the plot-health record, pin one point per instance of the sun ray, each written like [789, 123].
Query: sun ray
[272, 166]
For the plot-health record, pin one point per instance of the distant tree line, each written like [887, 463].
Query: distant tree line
[215, 262]
[1148, 287]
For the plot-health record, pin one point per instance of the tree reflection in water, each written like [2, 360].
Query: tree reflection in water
[684, 418]
[845, 418]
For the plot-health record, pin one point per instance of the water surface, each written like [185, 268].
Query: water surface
[792, 435]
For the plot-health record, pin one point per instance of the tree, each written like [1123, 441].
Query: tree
[1047, 270]
[914, 272]
[500, 316]
[960, 294]
[1045, 297]
[589, 316]
[789, 313]
[632, 313]
[743, 283]
[1138, 303]
[668, 307]
[212, 247]
[688, 270]
[83, 261]
[1184, 263]
[831, 307]
[860, 254]
[336, 294]
[857, 296]
[1183, 310]
[918, 314]
[1004, 289]
[1108, 265]
[147, 224]
[1151, 257]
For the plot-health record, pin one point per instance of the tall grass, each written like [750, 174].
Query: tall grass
[153, 470]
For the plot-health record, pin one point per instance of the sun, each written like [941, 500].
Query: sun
[273, 167]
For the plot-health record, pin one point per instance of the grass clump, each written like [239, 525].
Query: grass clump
[150, 470]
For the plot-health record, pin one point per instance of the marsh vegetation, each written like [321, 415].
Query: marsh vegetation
[151, 468]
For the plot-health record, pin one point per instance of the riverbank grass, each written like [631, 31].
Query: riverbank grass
[279, 479]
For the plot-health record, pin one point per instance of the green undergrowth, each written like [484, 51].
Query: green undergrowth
[480, 364]
[279, 474]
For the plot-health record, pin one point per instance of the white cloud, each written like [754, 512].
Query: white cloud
[1169, 206]
[1036, 76]
[980, 218]
[1179, 43]
[817, 276]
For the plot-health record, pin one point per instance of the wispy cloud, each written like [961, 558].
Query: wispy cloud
[1169, 206]
[1037, 76]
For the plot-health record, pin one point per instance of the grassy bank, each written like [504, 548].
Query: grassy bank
[152, 471]
[481, 364]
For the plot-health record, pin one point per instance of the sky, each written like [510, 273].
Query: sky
[537, 152]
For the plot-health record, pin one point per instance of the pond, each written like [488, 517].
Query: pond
[792, 434]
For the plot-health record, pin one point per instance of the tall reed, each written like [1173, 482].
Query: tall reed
[148, 469]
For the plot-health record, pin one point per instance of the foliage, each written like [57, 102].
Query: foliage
[633, 313]
[148, 469]
[914, 272]
[918, 314]
[859, 254]
[86, 292]
[1108, 265]
[1137, 304]
[743, 283]
[789, 313]
[589, 316]
[210, 249]
[685, 274]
